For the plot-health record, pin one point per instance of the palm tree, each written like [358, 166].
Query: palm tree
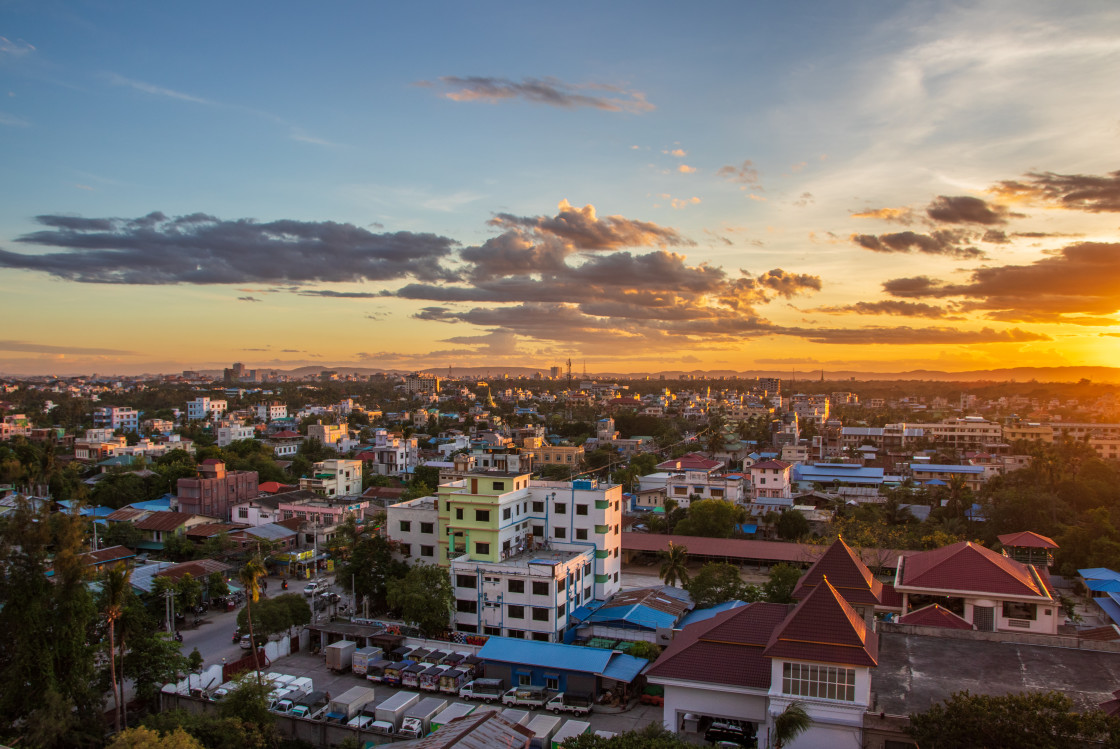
[670, 505]
[114, 588]
[674, 567]
[791, 723]
[250, 576]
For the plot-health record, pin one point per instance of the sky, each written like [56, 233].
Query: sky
[635, 186]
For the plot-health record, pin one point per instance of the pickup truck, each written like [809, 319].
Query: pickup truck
[527, 697]
[487, 690]
[569, 702]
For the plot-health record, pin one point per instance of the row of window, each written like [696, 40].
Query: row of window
[828, 682]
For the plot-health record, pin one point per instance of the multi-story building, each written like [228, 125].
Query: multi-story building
[158, 426]
[561, 455]
[15, 425]
[420, 382]
[686, 486]
[334, 478]
[335, 436]
[967, 433]
[522, 554]
[770, 479]
[271, 411]
[231, 433]
[391, 454]
[215, 490]
[203, 408]
[117, 417]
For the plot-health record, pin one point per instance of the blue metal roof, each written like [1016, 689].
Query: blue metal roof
[703, 614]
[1099, 573]
[942, 468]
[545, 654]
[842, 472]
[635, 616]
[1103, 586]
[624, 668]
[153, 504]
[1110, 606]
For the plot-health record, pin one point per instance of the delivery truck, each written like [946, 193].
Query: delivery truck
[363, 657]
[391, 711]
[344, 707]
[340, 655]
[417, 721]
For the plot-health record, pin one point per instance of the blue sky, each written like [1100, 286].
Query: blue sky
[636, 185]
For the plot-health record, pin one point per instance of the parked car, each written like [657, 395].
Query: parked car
[310, 588]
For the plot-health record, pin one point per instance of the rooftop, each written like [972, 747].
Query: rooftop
[966, 566]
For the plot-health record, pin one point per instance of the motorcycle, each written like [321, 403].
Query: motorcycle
[284, 584]
[178, 636]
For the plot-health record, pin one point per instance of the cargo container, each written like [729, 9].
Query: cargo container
[568, 730]
[390, 712]
[375, 670]
[429, 678]
[340, 655]
[362, 658]
[393, 673]
[451, 680]
[450, 713]
[543, 727]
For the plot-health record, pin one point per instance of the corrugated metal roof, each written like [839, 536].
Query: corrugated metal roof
[545, 654]
[636, 616]
[701, 615]
[624, 668]
[1098, 573]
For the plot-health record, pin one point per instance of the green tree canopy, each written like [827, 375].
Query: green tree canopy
[424, 596]
[369, 567]
[712, 518]
[783, 579]
[793, 525]
[719, 582]
[653, 736]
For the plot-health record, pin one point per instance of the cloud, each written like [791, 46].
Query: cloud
[1080, 279]
[1079, 192]
[684, 202]
[13, 121]
[339, 294]
[149, 88]
[744, 174]
[890, 307]
[680, 153]
[549, 91]
[202, 249]
[582, 229]
[995, 236]
[788, 284]
[897, 215]
[912, 336]
[18, 48]
[686, 169]
[41, 348]
[804, 200]
[965, 209]
[247, 299]
[943, 242]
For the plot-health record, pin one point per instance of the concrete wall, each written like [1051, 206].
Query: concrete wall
[1053, 641]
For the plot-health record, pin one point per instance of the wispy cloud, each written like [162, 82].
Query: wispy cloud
[151, 88]
[41, 348]
[13, 121]
[550, 91]
[18, 48]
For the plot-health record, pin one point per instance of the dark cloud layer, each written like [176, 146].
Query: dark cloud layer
[965, 209]
[549, 91]
[1081, 192]
[582, 229]
[907, 335]
[201, 249]
[1081, 279]
[950, 243]
[891, 307]
[42, 348]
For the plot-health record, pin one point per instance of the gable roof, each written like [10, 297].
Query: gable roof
[826, 629]
[690, 462]
[479, 730]
[108, 554]
[781, 465]
[966, 566]
[206, 530]
[164, 520]
[725, 649]
[846, 572]
[124, 514]
[935, 616]
[1027, 539]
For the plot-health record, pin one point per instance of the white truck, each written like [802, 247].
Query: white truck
[287, 703]
[344, 707]
[363, 657]
[312, 706]
[417, 722]
[543, 727]
[577, 703]
[487, 690]
[340, 655]
[450, 713]
[528, 697]
[390, 712]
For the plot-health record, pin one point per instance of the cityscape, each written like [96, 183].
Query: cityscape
[594, 376]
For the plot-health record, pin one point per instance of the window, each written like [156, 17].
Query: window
[523, 680]
[540, 588]
[482, 516]
[680, 491]
[560, 532]
[406, 526]
[581, 534]
[561, 508]
[447, 505]
[499, 486]
[552, 682]
[539, 636]
[466, 581]
[1013, 610]
[540, 615]
[538, 530]
[559, 612]
[538, 507]
[516, 633]
[492, 630]
[507, 513]
[458, 513]
[468, 628]
[827, 682]
[428, 528]
[587, 592]
[481, 549]
[616, 577]
[242, 512]
[516, 612]
[427, 551]
[581, 509]
[516, 586]
[466, 607]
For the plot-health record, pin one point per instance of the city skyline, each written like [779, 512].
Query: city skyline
[871, 186]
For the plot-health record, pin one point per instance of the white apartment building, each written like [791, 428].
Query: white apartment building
[234, 432]
[117, 417]
[522, 554]
[203, 408]
[334, 478]
[684, 487]
[335, 436]
[969, 432]
[271, 411]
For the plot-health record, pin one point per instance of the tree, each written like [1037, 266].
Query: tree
[652, 736]
[779, 587]
[250, 576]
[789, 724]
[248, 702]
[428, 475]
[189, 591]
[425, 597]
[415, 490]
[153, 659]
[275, 615]
[145, 738]
[122, 534]
[1034, 720]
[179, 548]
[643, 649]
[792, 525]
[369, 568]
[719, 582]
[712, 518]
[674, 565]
[216, 586]
[114, 587]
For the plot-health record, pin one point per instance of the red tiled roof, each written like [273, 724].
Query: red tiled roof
[200, 568]
[846, 572]
[275, 487]
[892, 599]
[211, 462]
[726, 649]
[286, 433]
[125, 513]
[781, 465]
[690, 462]
[164, 520]
[1028, 539]
[935, 616]
[966, 566]
[739, 548]
[826, 629]
[206, 530]
[109, 554]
